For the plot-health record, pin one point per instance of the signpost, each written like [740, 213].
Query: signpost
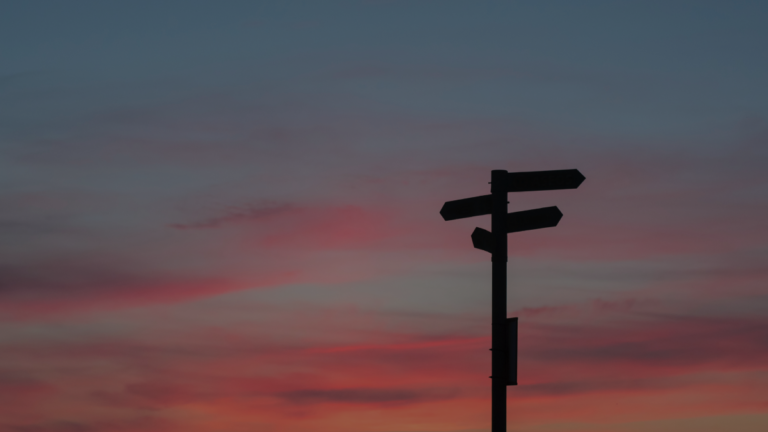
[504, 330]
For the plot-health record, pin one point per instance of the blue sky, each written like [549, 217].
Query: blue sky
[224, 216]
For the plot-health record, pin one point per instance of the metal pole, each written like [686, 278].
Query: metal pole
[499, 302]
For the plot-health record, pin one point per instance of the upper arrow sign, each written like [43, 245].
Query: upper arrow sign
[468, 207]
[543, 180]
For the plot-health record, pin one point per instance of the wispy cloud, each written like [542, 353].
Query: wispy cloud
[240, 215]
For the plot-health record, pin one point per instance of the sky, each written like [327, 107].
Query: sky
[224, 216]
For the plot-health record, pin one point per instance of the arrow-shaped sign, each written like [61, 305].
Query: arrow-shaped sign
[515, 182]
[468, 207]
[546, 217]
[482, 239]
[543, 180]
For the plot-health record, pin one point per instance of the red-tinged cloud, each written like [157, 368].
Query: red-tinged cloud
[144, 424]
[614, 215]
[379, 397]
[242, 214]
[48, 288]
[262, 246]
[308, 371]
[643, 355]
[303, 228]
[347, 227]
[21, 394]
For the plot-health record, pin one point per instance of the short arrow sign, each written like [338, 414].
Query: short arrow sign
[468, 207]
[546, 217]
[482, 239]
[543, 180]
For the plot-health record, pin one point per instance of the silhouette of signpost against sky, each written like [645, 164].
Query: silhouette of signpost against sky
[504, 330]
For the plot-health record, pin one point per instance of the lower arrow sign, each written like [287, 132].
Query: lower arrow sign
[546, 217]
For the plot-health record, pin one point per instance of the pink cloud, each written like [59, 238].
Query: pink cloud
[322, 370]
[239, 215]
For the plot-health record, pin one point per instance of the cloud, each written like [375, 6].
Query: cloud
[140, 423]
[363, 396]
[62, 426]
[239, 215]
[640, 352]
[303, 361]
[21, 392]
[64, 286]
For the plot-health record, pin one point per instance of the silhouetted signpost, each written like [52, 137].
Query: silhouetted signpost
[504, 330]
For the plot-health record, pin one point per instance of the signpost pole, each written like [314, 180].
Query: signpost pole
[499, 302]
[503, 330]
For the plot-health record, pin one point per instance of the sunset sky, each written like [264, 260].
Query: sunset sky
[223, 216]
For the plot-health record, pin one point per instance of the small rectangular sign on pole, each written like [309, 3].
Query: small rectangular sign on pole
[512, 351]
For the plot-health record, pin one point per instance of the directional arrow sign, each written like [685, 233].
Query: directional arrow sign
[543, 180]
[468, 207]
[482, 239]
[519, 221]
[546, 217]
